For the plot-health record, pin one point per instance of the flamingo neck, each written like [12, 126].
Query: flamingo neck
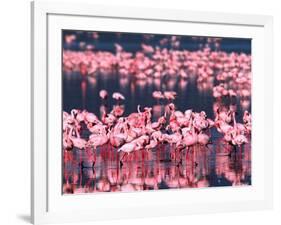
[234, 120]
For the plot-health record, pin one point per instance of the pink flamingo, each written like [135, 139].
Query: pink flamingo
[118, 110]
[170, 95]
[96, 140]
[118, 96]
[157, 95]
[67, 143]
[238, 139]
[191, 138]
[238, 126]
[78, 142]
[103, 94]
[247, 119]
[153, 142]
[203, 139]
[127, 149]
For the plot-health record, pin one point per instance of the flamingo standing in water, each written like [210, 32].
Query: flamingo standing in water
[98, 137]
[118, 96]
[247, 119]
[170, 95]
[238, 139]
[78, 142]
[103, 94]
[127, 149]
[67, 143]
[157, 95]
[117, 134]
[238, 133]
[137, 131]
[203, 139]
[153, 142]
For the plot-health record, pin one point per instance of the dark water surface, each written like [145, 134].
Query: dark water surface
[157, 169]
[131, 42]
[83, 93]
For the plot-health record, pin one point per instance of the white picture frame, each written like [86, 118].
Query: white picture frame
[48, 205]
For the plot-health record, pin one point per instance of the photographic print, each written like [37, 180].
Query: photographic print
[154, 111]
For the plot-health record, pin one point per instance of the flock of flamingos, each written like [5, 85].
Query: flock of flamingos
[228, 73]
[137, 131]
[182, 130]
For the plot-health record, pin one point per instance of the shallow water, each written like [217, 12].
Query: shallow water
[160, 168]
[83, 93]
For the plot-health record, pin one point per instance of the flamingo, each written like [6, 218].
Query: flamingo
[117, 138]
[98, 137]
[191, 138]
[67, 143]
[152, 143]
[103, 94]
[96, 140]
[170, 95]
[203, 139]
[157, 95]
[127, 149]
[78, 142]
[118, 96]
[247, 119]
[238, 139]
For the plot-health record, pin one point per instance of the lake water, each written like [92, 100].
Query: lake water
[157, 169]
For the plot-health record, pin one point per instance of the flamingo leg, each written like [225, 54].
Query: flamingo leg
[121, 160]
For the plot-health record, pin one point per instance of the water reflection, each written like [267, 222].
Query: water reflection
[152, 170]
[83, 93]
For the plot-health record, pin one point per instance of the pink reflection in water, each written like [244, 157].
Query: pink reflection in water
[153, 170]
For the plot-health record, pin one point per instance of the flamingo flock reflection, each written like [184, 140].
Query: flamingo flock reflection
[153, 170]
[161, 144]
